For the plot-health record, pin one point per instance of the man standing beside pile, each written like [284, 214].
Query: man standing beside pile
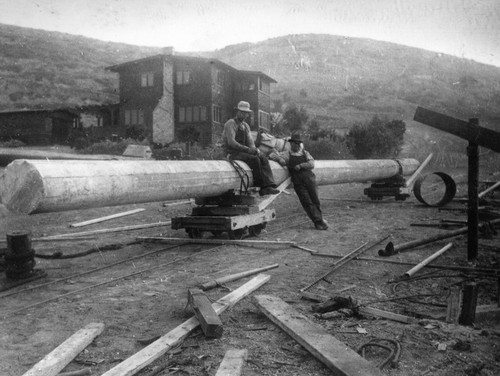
[239, 144]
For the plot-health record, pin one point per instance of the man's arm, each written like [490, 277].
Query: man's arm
[309, 164]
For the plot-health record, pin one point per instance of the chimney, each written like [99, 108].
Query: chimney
[167, 50]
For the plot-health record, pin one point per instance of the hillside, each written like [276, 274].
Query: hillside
[338, 80]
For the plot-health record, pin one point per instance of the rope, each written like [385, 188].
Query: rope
[244, 178]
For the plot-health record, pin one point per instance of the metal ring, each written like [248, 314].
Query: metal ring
[451, 189]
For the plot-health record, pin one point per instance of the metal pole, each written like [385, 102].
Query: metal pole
[473, 202]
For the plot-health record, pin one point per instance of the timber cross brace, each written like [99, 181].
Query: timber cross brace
[477, 136]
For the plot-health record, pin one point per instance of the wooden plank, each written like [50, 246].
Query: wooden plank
[232, 363]
[233, 277]
[268, 200]
[262, 243]
[342, 360]
[149, 354]
[62, 355]
[386, 315]
[481, 136]
[106, 218]
[243, 221]
[209, 320]
[106, 230]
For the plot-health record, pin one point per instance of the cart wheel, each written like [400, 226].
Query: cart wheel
[236, 234]
[194, 233]
[255, 230]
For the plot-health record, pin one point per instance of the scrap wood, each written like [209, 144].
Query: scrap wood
[232, 363]
[106, 218]
[141, 359]
[233, 277]
[304, 248]
[332, 352]
[80, 372]
[344, 260]
[386, 315]
[488, 190]
[209, 320]
[159, 239]
[107, 230]
[175, 203]
[62, 355]
[391, 249]
[268, 200]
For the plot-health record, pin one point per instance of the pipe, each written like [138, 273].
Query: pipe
[432, 257]
[37, 186]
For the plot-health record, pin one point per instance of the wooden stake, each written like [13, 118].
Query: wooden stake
[233, 277]
[232, 363]
[204, 312]
[149, 354]
[61, 356]
[106, 218]
[454, 302]
[469, 303]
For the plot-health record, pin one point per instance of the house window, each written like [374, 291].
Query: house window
[134, 117]
[264, 119]
[219, 77]
[217, 114]
[147, 79]
[192, 114]
[183, 77]
[264, 86]
[100, 122]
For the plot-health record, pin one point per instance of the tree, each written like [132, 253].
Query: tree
[295, 117]
[376, 139]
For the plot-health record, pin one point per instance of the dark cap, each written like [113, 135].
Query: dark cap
[295, 138]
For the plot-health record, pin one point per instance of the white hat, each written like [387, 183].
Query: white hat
[244, 106]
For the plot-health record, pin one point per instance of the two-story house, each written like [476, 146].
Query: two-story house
[169, 97]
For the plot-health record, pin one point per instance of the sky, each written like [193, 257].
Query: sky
[463, 28]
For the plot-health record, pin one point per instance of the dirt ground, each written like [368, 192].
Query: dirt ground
[141, 299]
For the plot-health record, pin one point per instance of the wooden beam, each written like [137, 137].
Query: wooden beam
[268, 200]
[204, 312]
[386, 315]
[233, 277]
[264, 243]
[106, 218]
[232, 363]
[339, 358]
[481, 136]
[62, 355]
[149, 354]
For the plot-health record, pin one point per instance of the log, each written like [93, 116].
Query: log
[61, 356]
[234, 277]
[232, 363]
[37, 186]
[333, 353]
[149, 354]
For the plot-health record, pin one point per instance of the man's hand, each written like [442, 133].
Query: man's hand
[297, 168]
[253, 151]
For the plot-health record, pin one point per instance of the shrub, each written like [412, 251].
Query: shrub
[12, 143]
[111, 147]
[328, 149]
[376, 139]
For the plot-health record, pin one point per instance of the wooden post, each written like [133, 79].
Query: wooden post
[468, 312]
[473, 202]
[454, 302]
[209, 320]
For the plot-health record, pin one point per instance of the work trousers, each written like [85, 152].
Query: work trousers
[259, 164]
[304, 183]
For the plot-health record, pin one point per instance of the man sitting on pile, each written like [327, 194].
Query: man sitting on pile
[239, 144]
